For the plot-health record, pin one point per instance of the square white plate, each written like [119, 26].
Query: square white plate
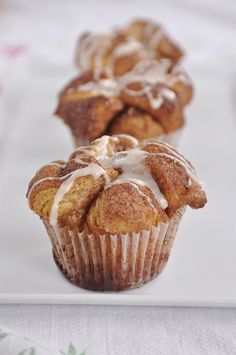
[202, 267]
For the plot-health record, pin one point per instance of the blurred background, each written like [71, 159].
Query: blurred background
[49, 29]
[37, 38]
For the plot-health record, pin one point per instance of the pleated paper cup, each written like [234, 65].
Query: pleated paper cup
[113, 261]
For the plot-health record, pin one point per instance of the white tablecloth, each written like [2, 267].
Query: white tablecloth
[123, 329]
[47, 30]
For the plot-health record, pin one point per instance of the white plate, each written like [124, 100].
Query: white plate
[202, 266]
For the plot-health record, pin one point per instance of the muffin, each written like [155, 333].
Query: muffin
[123, 47]
[146, 102]
[113, 209]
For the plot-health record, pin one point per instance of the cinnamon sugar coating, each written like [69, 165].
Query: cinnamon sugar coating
[124, 47]
[170, 174]
[169, 113]
[87, 112]
[115, 185]
[116, 51]
[93, 103]
[121, 208]
[136, 123]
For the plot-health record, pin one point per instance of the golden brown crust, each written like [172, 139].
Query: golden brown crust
[172, 178]
[122, 51]
[124, 47]
[169, 114]
[73, 207]
[87, 112]
[108, 196]
[89, 118]
[91, 102]
[116, 51]
[110, 210]
[98, 47]
[122, 60]
[136, 123]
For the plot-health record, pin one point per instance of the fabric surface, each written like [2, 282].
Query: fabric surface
[108, 330]
[122, 330]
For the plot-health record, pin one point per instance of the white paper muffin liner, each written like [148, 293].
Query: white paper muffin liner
[113, 261]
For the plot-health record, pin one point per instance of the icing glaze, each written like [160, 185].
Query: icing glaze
[133, 140]
[92, 169]
[152, 34]
[132, 165]
[147, 72]
[92, 46]
[126, 48]
[178, 158]
[106, 87]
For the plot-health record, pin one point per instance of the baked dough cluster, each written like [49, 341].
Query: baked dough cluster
[124, 47]
[145, 102]
[107, 196]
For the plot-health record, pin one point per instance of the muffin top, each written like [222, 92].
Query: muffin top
[93, 103]
[123, 47]
[115, 185]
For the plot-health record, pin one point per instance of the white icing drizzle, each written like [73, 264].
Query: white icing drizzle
[179, 75]
[131, 163]
[133, 140]
[126, 48]
[155, 102]
[168, 94]
[61, 165]
[149, 73]
[173, 152]
[100, 146]
[49, 178]
[177, 158]
[152, 34]
[92, 169]
[106, 87]
[92, 46]
[180, 162]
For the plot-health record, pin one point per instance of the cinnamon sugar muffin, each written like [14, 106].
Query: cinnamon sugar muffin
[97, 103]
[123, 47]
[116, 51]
[112, 210]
